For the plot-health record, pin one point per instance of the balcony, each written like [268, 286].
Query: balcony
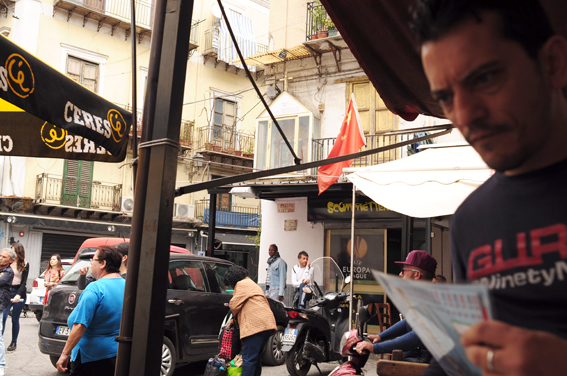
[239, 216]
[54, 190]
[319, 24]
[225, 149]
[322, 147]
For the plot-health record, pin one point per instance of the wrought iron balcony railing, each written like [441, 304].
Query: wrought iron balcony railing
[54, 189]
[223, 139]
[319, 24]
[117, 9]
[231, 216]
[322, 147]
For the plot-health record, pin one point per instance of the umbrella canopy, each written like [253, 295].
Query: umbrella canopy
[428, 184]
[44, 113]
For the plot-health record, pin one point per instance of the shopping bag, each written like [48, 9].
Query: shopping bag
[234, 371]
[230, 344]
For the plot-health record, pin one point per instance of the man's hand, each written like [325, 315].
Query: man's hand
[84, 270]
[229, 324]
[375, 338]
[280, 298]
[305, 281]
[515, 351]
[364, 345]
[308, 263]
[62, 363]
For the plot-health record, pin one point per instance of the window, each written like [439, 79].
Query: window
[84, 72]
[187, 276]
[223, 118]
[75, 56]
[374, 115]
[273, 152]
[77, 183]
[216, 272]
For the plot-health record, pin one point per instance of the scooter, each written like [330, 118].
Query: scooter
[348, 345]
[314, 335]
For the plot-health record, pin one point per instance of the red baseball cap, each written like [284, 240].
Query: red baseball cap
[420, 259]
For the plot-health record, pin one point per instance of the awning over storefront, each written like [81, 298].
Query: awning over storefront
[431, 183]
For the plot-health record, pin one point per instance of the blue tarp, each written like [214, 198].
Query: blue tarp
[234, 219]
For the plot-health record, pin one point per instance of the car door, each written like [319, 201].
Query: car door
[198, 310]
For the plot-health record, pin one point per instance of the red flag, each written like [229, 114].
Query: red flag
[349, 140]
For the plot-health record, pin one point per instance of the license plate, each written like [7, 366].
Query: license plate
[289, 335]
[62, 330]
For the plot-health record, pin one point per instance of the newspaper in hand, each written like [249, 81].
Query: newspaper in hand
[439, 314]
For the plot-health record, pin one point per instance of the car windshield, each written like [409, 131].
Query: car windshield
[72, 274]
[66, 267]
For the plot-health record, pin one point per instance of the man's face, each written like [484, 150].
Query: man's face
[271, 251]
[492, 91]
[5, 259]
[409, 272]
[303, 261]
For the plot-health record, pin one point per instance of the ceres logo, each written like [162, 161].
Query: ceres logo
[117, 124]
[53, 136]
[19, 76]
[72, 298]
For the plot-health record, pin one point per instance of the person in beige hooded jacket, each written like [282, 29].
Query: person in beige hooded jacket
[255, 318]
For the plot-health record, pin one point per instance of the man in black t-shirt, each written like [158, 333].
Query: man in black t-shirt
[499, 73]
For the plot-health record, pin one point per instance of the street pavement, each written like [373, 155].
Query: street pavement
[28, 360]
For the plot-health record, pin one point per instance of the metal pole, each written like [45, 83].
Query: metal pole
[143, 315]
[352, 248]
[212, 224]
[134, 96]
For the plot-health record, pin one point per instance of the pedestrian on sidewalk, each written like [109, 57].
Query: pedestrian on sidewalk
[7, 256]
[53, 274]
[18, 293]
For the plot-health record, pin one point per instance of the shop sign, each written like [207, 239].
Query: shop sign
[290, 225]
[341, 208]
[286, 207]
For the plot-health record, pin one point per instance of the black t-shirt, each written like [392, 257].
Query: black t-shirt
[511, 233]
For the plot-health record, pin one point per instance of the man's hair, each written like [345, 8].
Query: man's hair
[523, 21]
[301, 254]
[11, 252]
[428, 276]
[234, 274]
[112, 257]
[275, 247]
[440, 278]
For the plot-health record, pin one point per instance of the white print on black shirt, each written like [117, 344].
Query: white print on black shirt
[545, 277]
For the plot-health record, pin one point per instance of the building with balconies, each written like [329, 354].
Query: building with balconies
[54, 204]
[310, 75]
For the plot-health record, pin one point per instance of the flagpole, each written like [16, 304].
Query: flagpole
[352, 245]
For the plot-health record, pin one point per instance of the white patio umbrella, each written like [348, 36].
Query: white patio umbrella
[428, 184]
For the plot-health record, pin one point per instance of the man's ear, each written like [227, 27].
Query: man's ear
[553, 59]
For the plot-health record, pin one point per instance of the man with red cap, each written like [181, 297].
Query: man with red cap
[419, 265]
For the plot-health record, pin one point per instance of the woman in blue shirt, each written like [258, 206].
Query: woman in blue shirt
[95, 322]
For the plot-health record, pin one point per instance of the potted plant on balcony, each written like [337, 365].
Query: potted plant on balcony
[318, 16]
[250, 152]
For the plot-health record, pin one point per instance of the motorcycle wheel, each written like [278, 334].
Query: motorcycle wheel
[294, 362]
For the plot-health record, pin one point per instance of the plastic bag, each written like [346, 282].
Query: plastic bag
[216, 366]
[234, 371]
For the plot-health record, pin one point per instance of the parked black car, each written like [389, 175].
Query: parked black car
[197, 302]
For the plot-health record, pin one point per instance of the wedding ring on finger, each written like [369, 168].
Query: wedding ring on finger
[490, 361]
